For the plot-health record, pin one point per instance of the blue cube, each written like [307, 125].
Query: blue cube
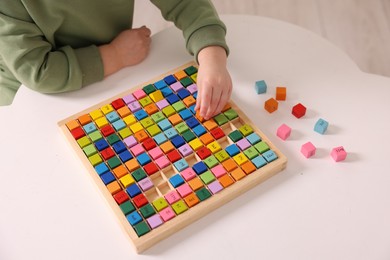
[170, 79]
[259, 161]
[232, 150]
[261, 87]
[119, 147]
[183, 93]
[125, 156]
[160, 138]
[199, 167]
[253, 138]
[185, 114]
[172, 99]
[107, 178]
[170, 133]
[199, 130]
[140, 114]
[270, 156]
[133, 190]
[143, 159]
[160, 84]
[166, 91]
[178, 141]
[321, 126]
[164, 124]
[176, 180]
[181, 165]
[101, 168]
[134, 218]
[192, 122]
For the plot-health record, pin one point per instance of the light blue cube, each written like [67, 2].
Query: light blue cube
[321, 126]
[261, 87]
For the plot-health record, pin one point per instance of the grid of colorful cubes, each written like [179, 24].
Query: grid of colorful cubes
[158, 157]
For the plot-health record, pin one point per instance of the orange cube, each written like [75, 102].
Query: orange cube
[281, 93]
[271, 105]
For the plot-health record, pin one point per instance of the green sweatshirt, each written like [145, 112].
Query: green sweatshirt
[51, 46]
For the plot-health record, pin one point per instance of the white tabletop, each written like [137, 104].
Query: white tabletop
[315, 209]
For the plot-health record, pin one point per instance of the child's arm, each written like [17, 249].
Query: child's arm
[214, 82]
[204, 35]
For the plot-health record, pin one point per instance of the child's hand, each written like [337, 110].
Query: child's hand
[213, 80]
[129, 48]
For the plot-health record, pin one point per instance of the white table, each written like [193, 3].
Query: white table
[315, 209]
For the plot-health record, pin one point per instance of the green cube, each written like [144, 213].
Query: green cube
[149, 89]
[111, 139]
[145, 101]
[191, 70]
[168, 111]
[246, 130]
[230, 114]
[181, 127]
[221, 156]
[90, 150]
[141, 228]
[186, 81]
[114, 162]
[95, 136]
[160, 204]
[139, 174]
[261, 147]
[207, 177]
[211, 161]
[188, 135]
[158, 116]
[235, 136]
[147, 211]
[251, 152]
[153, 130]
[127, 207]
[203, 194]
[179, 207]
[178, 106]
[221, 119]
[146, 122]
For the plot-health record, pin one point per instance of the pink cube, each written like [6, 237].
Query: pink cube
[184, 190]
[338, 154]
[218, 171]
[167, 214]
[162, 162]
[188, 174]
[156, 152]
[283, 131]
[308, 149]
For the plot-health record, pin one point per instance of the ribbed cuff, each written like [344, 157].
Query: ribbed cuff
[211, 35]
[91, 64]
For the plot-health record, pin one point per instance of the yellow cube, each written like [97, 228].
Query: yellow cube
[96, 114]
[195, 144]
[130, 119]
[240, 158]
[107, 109]
[136, 127]
[214, 147]
[127, 180]
[102, 121]
[156, 96]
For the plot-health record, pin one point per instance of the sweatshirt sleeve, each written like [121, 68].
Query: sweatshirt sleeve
[198, 20]
[34, 62]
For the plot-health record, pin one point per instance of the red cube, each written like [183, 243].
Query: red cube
[299, 110]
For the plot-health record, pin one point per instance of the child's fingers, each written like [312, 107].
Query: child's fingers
[215, 99]
[206, 100]
[224, 98]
